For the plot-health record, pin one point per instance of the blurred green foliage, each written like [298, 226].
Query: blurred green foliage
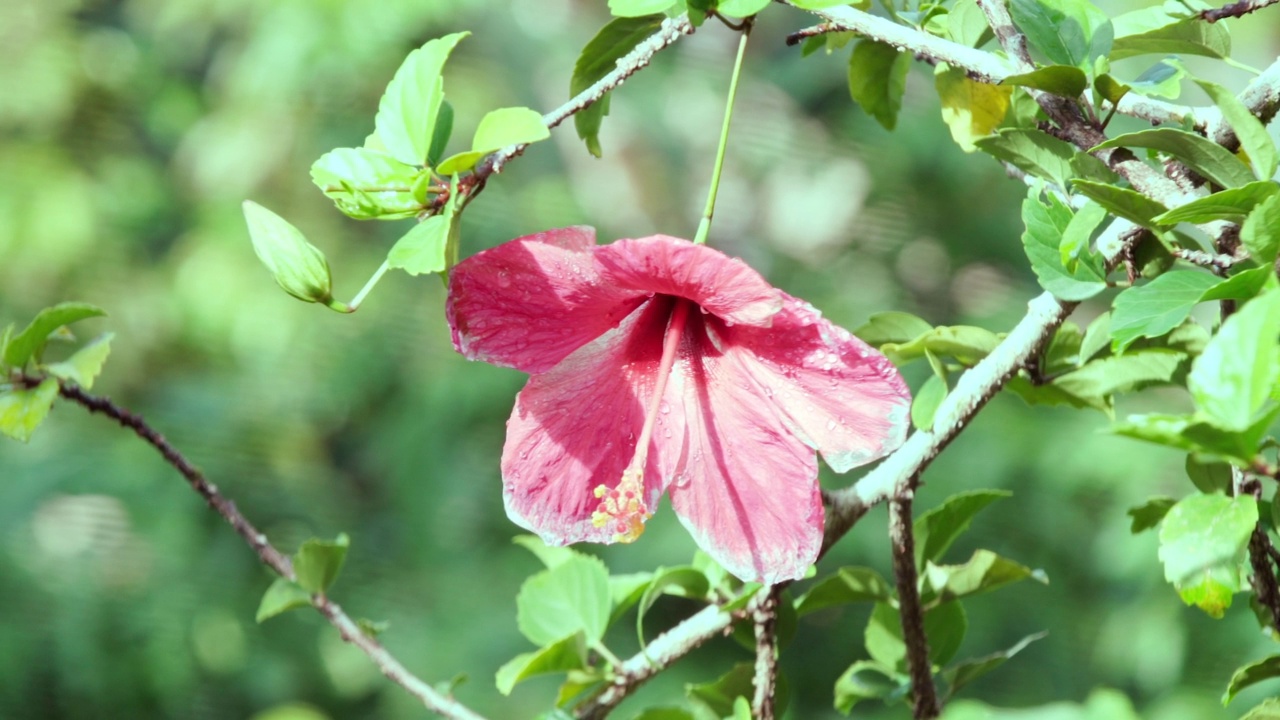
[131, 131]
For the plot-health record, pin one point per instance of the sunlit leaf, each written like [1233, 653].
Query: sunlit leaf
[983, 572]
[1230, 204]
[1152, 31]
[569, 598]
[1261, 231]
[410, 106]
[971, 109]
[1066, 80]
[1032, 151]
[1203, 541]
[892, 327]
[1122, 202]
[282, 596]
[318, 562]
[1042, 242]
[926, 401]
[1233, 377]
[83, 367]
[561, 656]
[365, 184]
[30, 342]
[22, 411]
[1253, 136]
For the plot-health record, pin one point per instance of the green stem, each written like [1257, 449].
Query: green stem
[360, 296]
[705, 226]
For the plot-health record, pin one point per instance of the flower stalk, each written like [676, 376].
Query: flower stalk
[704, 227]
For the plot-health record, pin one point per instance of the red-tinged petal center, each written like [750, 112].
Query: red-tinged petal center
[623, 507]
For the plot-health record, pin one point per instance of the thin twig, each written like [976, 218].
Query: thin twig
[924, 695]
[1261, 96]
[1215, 261]
[800, 36]
[1235, 9]
[764, 615]
[432, 699]
[672, 30]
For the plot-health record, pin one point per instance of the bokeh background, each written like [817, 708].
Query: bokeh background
[131, 131]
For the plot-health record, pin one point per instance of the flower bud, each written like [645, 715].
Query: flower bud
[298, 266]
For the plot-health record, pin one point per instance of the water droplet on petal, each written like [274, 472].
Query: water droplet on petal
[831, 424]
[664, 408]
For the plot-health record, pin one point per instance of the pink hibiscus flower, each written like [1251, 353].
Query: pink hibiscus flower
[660, 365]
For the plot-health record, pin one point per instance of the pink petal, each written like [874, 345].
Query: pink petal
[574, 428]
[719, 284]
[530, 302]
[742, 484]
[836, 393]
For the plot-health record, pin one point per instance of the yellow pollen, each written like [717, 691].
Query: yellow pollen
[623, 507]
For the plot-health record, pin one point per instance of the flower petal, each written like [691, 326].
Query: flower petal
[836, 393]
[742, 484]
[574, 428]
[719, 284]
[530, 302]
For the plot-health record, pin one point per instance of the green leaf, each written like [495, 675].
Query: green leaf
[1254, 139]
[1261, 231]
[1099, 379]
[892, 327]
[1244, 285]
[22, 411]
[938, 528]
[846, 585]
[1152, 31]
[1203, 541]
[1193, 434]
[636, 8]
[944, 625]
[1067, 32]
[1161, 305]
[373, 628]
[926, 401]
[971, 109]
[569, 598]
[1063, 351]
[1032, 151]
[666, 713]
[29, 344]
[965, 343]
[1042, 240]
[1163, 79]
[742, 8]
[1234, 376]
[1268, 710]
[1150, 513]
[963, 673]
[410, 106]
[1096, 337]
[1200, 154]
[440, 133]
[625, 591]
[967, 24]
[1209, 477]
[683, 581]
[598, 59]
[365, 184]
[1065, 80]
[509, 126]
[425, 248]
[983, 572]
[550, 556]
[868, 680]
[1076, 236]
[83, 367]
[281, 597]
[299, 268]
[460, 162]
[1112, 90]
[1232, 204]
[819, 4]
[1121, 202]
[318, 562]
[561, 656]
[877, 80]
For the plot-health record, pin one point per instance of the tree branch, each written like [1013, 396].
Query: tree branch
[764, 614]
[1261, 96]
[672, 30]
[270, 556]
[924, 695]
[661, 652]
[1235, 9]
